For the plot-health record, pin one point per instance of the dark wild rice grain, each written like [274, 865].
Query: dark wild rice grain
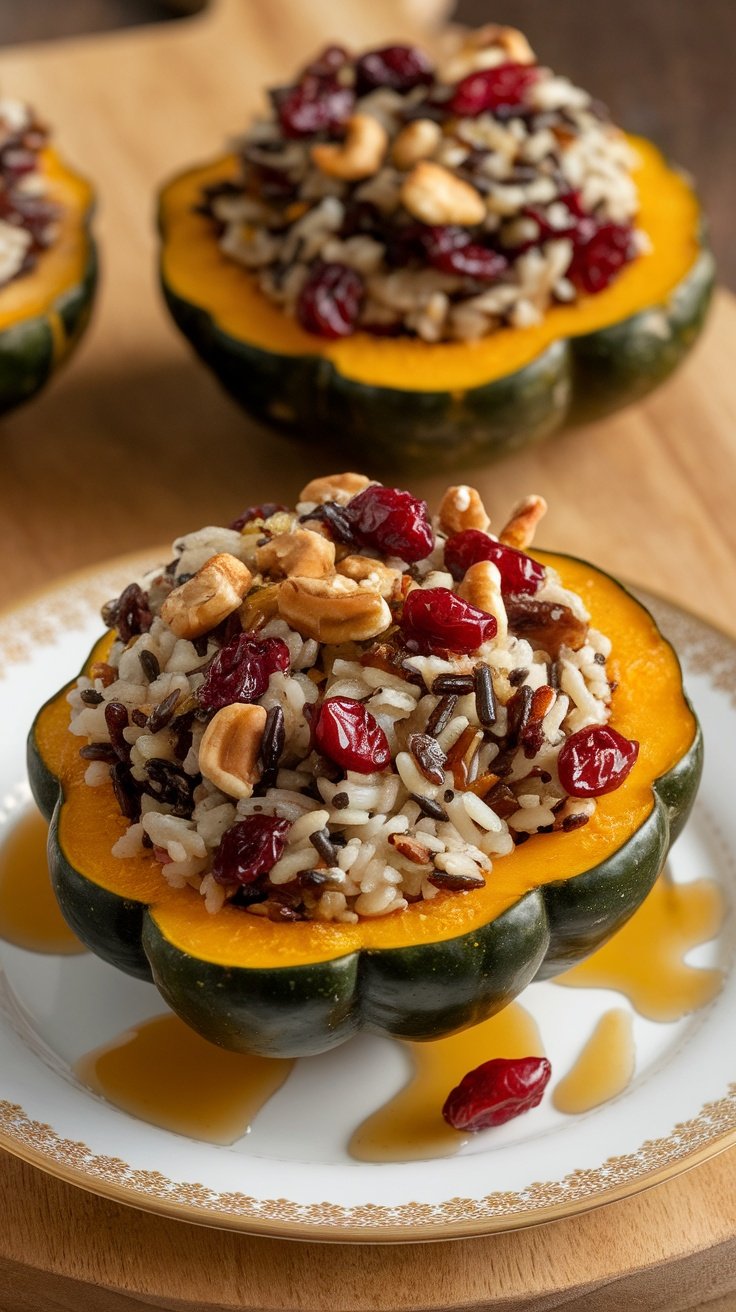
[485, 698]
[441, 715]
[429, 756]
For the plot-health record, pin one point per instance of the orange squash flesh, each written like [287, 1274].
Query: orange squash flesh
[648, 705]
[197, 273]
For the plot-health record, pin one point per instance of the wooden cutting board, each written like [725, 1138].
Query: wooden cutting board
[135, 443]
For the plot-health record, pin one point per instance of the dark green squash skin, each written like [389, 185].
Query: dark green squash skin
[27, 356]
[419, 992]
[575, 380]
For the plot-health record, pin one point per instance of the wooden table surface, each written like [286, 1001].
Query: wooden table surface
[135, 443]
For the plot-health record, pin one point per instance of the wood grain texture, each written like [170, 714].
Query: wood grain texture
[135, 443]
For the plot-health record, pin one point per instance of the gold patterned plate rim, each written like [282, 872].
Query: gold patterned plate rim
[709, 652]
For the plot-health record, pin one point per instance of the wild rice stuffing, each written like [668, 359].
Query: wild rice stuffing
[385, 194]
[335, 711]
[28, 219]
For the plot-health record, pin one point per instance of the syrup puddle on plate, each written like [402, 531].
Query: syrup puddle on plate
[410, 1126]
[604, 1067]
[646, 959]
[29, 914]
[164, 1073]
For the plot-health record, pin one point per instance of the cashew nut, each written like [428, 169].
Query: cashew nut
[302, 552]
[334, 487]
[228, 752]
[488, 46]
[416, 141]
[519, 531]
[481, 586]
[371, 574]
[333, 612]
[360, 155]
[461, 507]
[215, 591]
[434, 195]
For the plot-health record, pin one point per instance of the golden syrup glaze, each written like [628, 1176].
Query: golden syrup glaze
[645, 960]
[164, 1073]
[29, 913]
[603, 1068]
[410, 1127]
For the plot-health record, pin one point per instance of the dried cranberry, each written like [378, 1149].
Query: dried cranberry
[492, 88]
[329, 302]
[496, 1092]
[241, 670]
[595, 761]
[256, 512]
[347, 733]
[130, 613]
[327, 62]
[250, 848]
[438, 617]
[316, 104]
[519, 573]
[391, 521]
[450, 250]
[596, 261]
[398, 67]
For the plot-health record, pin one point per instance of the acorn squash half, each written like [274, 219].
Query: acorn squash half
[402, 399]
[43, 313]
[289, 989]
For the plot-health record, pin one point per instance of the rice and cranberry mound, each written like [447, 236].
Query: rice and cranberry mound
[387, 194]
[335, 711]
[28, 218]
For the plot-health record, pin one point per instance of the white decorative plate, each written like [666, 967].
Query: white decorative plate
[291, 1176]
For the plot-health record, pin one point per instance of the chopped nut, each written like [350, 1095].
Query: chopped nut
[215, 591]
[372, 573]
[434, 195]
[228, 752]
[303, 553]
[411, 848]
[104, 672]
[416, 141]
[333, 611]
[519, 531]
[334, 487]
[481, 586]
[361, 153]
[461, 507]
[484, 47]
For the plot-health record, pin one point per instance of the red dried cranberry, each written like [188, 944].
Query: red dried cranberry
[329, 302]
[398, 67]
[347, 733]
[327, 62]
[496, 1092]
[450, 250]
[519, 573]
[241, 670]
[597, 259]
[250, 848]
[256, 512]
[492, 88]
[438, 617]
[595, 761]
[391, 521]
[316, 104]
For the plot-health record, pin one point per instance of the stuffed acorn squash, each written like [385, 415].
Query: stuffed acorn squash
[48, 265]
[435, 263]
[348, 767]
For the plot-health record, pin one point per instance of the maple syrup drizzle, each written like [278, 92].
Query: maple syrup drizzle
[646, 959]
[410, 1126]
[29, 914]
[164, 1073]
[604, 1067]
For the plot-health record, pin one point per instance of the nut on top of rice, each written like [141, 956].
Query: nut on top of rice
[333, 711]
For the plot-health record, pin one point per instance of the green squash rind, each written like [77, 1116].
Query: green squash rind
[574, 380]
[28, 353]
[393, 990]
